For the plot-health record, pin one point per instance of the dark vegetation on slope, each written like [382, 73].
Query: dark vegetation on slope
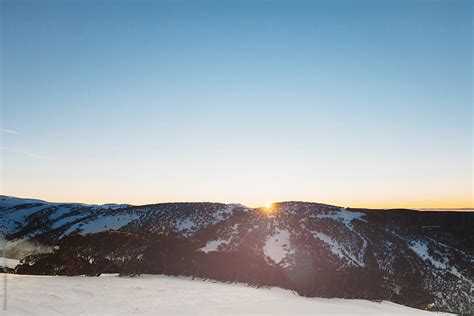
[375, 257]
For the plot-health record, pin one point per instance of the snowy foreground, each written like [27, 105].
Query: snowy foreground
[163, 295]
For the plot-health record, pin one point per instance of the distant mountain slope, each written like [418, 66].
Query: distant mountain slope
[409, 257]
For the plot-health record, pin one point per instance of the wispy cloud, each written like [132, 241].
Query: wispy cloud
[21, 151]
[8, 131]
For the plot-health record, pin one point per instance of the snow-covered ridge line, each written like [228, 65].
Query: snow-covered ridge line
[11, 201]
[66, 218]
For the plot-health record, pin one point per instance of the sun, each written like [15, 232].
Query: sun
[268, 209]
[268, 204]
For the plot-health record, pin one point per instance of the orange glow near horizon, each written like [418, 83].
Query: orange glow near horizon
[380, 203]
[267, 209]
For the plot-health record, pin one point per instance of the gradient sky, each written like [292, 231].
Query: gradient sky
[349, 103]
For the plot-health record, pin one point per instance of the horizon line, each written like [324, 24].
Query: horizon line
[273, 202]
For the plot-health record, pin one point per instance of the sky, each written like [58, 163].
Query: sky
[361, 104]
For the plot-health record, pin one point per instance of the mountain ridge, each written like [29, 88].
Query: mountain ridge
[410, 257]
[428, 209]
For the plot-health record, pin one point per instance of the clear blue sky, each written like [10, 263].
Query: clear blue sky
[345, 102]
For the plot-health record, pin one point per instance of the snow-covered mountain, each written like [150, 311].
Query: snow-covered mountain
[409, 257]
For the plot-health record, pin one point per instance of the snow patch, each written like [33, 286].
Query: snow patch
[421, 249]
[103, 223]
[213, 245]
[344, 216]
[13, 219]
[338, 249]
[185, 226]
[8, 263]
[224, 213]
[277, 247]
[66, 220]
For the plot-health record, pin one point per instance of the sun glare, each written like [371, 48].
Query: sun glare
[268, 209]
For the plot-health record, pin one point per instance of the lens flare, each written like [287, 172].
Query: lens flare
[268, 209]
